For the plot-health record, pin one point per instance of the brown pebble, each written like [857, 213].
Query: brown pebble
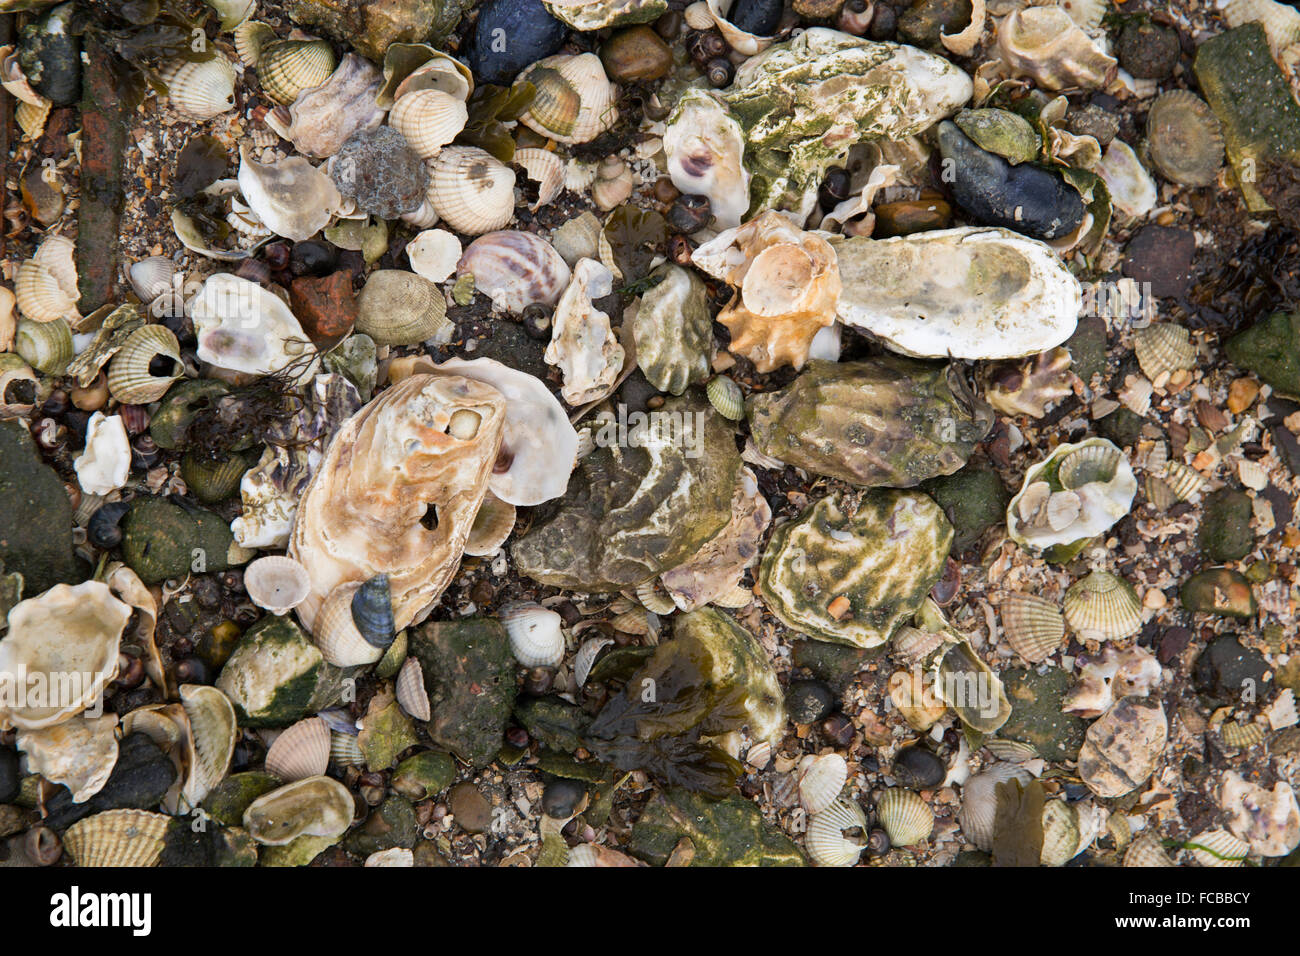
[636, 55]
[324, 305]
[664, 190]
[1242, 394]
[93, 397]
[470, 808]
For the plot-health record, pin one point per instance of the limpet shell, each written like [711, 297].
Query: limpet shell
[575, 100]
[131, 379]
[411, 692]
[821, 778]
[1163, 348]
[470, 190]
[301, 751]
[515, 269]
[1103, 607]
[117, 838]
[396, 307]
[1184, 138]
[1034, 626]
[277, 583]
[289, 67]
[826, 841]
[536, 634]
[906, 817]
[429, 120]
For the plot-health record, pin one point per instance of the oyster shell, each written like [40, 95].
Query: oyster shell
[673, 331]
[106, 461]
[1268, 820]
[586, 15]
[78, 753]
[1123, 746]
[322, 118]
[243, 327]
[705, 149]
[1094, 472]
[1045, 44]
[315, 806]
[582, 343]
[292, 197]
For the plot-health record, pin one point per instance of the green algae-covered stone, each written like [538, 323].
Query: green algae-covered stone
[1225, 533]
[1036, 716]
[470, 676]
[187, 845]
[163, 540]
[36, 520]
[276, 675]
[228, 800]
[886, 421]
[391, 824]
[1271, 349]
[728, 832]
[299, 852]
[973, 500]
[552, 722]
[385, 732]
[639, 504]
[673, 329]
[1221, 591]
[883, 559]
[424, 774]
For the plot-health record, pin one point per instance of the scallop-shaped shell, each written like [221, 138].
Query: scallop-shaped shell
[654, 600]
[277, 583]
[1034, 626]
[200, 90]
[117, 838]
[515, 269]
[725, 396]
[1089, 464]
[492, 526]
[316, 806]
[1162, 349]
[130, 379]
[1184, 138]
[336, 633]
[575, 100]
[396, 307]
[1087, 14]
[345, 751]
[913, 645]
[45, 286]
[1103, 607]
[979, 801]
[45, 346]
[288, 67]
[1217, 848]
[821, 778]
[429, 120]
[470, 190]
[536, 634]
[1183, 480]
[31, 117]
[411, 692]
[1045, 43]
[826, 841]
[1241, 736]
[545, 168]
[151, 277]
[1146, 851]
[250, 37]
[302, 751]
[213, 732]
[906, 817]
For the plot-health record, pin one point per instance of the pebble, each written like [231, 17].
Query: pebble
[1163, 257]
[470, 808]
[808, 701]
[636, 55]
[326, 306]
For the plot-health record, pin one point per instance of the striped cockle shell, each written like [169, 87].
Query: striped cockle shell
[117, 838]
[345, 751]
[32, 117]
[1034, 626]
[336, 634]
[906, 817]
[396, 307]
[575, 101]
[151, 277]
[131, 377]
[470, 190]
[1065, 834]
[536, 634]
[289, 67]
[250, 37]
[301, 751]
[1217, 848]
[821, 778]
[515, 269]
[837, 835]
[1103, 607]
[45, 286]
[1184, 481]
[1146, 851]
[200, 90]
[277, 583]
[654, 600]
[545, 168]
[1091, 463]
[1162, 349]
[411, 692]
[726, 398]
[979, 801]
[429, 120]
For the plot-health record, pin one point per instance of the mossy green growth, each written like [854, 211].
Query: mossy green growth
[1036, 716]
[391, 824]
[228, 800]
[729, 832]
[973, 500]
[553, 722]
[276, 675]
[1271, 349]
[162, 539]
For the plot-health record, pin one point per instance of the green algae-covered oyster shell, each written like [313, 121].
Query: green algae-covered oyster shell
[882, 558]
[276, 675]
[1002, 132]
[730, 832]
[641, 503]
[673, 330]
[804, 102]
[885, 421]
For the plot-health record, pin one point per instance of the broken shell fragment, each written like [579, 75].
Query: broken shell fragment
[673, 331]
[1162, 349]
[46, 284]
[1123, 746]
[582, 343]
[1268, 820]
[1045, 44]
[146, 365]
[105, 463]
[1031, 385]
[410, 690]
[433, 254]
[323, 118]
[515, 269]
[78, 753]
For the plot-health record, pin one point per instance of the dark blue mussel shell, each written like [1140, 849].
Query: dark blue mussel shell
[372, 611]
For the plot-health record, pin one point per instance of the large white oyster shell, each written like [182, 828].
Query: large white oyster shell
[80, 753]
[705, 148]
[292, 198]
[242, 327]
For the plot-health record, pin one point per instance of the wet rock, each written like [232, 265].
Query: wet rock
[918, 768]
[907, 216]
[923, 22]
[276, 675]
[1024, 198]
[470, 808]
[757, 17]
[1271, 349]
[1225, 533]
[49, 54]
[9, 776]
[1149, 51]
[973, 500]
[1227, 673]
[140, 779]
[371, 26]
[636, 55]
[229, 799]
[1036, 716]
[392, 824]
[728, 832]
[555, 723]
[469, 674]
[1219, 591]
[162, 539]
[1122, 426]
[36, 521]
[1162, 256]
[633, 512]
[209, 846]
[325, 306]
[1087, 348]
[808, 701]
[1172, 644]
[381, 172]
[836, 664]
[886, 421]
[1123, 746]
[510, 35]
[424, 775]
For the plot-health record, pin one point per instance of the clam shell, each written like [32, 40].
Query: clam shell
[213, 732]
[316, 806]
[979, 801]
[302, 751]
[400, 308]
[470, 190]
[821, 778]
[1103, 607]
[1146, 851]
[1092, 463]
[345, 751]
[289, 67]
[151, 277]
[515, 269]
[1034, 626]
[545, 168]
[492, 526]
[411, 693]
[826, 841]
[1217, 848]
[429, 120]
[199, 91]
[45, 346]
[117, 838]
[337, 636]
[277, 583]
[575, 100]
[906, 817]
[536, 634]
[726, 398]
[372, 611]
[130, 377]
[1184, 139]
[1163, 348]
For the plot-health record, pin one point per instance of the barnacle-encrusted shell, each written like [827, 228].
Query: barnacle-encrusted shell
[290, 67]
[1162, 349]
[276, 583]
[1269, 820]
[821, 778]
[1034, 626]
[200, 90]
[244, 327]
[302, 751]
[827, 842]
[575, 101]
[984, 293]
[46, 284]
[315, 806]
[582, 343]
[1103, 607]
[130, 377]
[515, 269]
[470, 190]
[1077, 492]
[586, 16]
[429, 441]
[396, 307]
[884, 560]
[78, 753]
[69, 631]
[906, 817]
[705, 149]
[1184, 138]
[536, 638]
[322, 119]
[1122, 747]
[1044, 43]
[429, 119]
[117, 838]
[291, 197]
[673, 330]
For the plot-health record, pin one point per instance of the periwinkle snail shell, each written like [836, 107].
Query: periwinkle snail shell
[372, 611]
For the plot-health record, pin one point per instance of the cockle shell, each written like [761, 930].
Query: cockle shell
[322, 119]
[131, 379]
[575, 101]
[1281, 23]
[396, 307]
[200, 90]
[292, 197]
[250, 37]
[1068, 830]
[46, 284]
[536, 634]
[302, 751]
[243, 327]
[545, 168]
[1217, 848]
[1045, 44]
[515, 269]
[788, 285]
[838, 835]
[470, 190]
[287, 68]
[105, 463]
[433, 254]
[1034, 626]
[1162, 349]
[78, 753]
[906, 817]
[582, 343]
[410, 690]
[117, 838]
[821, 778]
[426, 444]
[1103, 607]
[315, 806]
[429, 120]
[436, 70]
[276, 583]
[705, 149]
[1146, 851]
[45, 346]
[978, 812]
[151, 277]
[336, 634]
